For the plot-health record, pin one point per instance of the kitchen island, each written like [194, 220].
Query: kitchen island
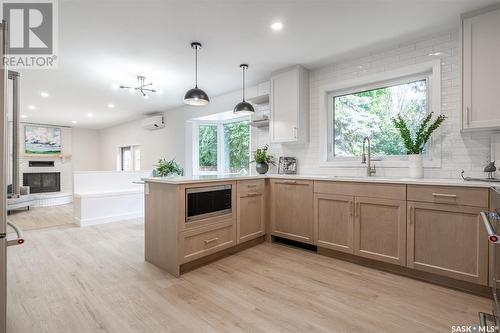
[425, 228]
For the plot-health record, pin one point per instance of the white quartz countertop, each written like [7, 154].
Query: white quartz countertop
[423, 181]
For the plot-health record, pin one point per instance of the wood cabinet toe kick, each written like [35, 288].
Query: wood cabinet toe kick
[425, 228]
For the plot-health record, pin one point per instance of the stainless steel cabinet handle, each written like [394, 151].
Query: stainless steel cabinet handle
[208, 241]
[138, 182]
[251, 186]
[492, 236]
[467, 115]
[351, 205]
[289, 182]
[295, 132]
[17, 241]
[443, 195]
[250, 195]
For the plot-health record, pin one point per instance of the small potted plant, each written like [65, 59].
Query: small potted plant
[262, 160]
[166, 168]
[415, 147]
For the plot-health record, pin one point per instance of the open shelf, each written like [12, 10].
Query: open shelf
[261, 99]
[260, 123]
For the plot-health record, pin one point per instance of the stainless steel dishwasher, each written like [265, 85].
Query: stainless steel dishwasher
[491, 221]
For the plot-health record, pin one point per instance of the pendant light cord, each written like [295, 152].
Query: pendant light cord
[196, 67]
[243, 84]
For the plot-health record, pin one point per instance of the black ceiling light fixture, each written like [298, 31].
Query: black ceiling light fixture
[196, 96]
[243, 107]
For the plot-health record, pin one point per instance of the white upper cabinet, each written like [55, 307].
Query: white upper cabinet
[481, 69]
[289, 106]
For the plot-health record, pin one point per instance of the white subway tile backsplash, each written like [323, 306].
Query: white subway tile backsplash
[468, 151]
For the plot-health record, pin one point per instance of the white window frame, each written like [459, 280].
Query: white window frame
[220, 144]
[132, 154]
[430, 71]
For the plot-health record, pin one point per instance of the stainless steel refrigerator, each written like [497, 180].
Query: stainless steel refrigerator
[9, 167]
[3, 183]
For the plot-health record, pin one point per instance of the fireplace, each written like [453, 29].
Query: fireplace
[42, 182]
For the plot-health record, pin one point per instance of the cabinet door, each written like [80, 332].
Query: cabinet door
[448, 240]
[333, 220]
[250, 216]
[292, 210]
[481, 70]
[380, 229]
[284, 107]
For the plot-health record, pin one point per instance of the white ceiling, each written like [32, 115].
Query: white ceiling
[107, 42]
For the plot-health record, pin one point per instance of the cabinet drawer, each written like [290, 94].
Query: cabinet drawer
[251, 186]
[467, 196]
[197, 245]
[383, 191]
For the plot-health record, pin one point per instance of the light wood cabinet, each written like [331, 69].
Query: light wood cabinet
[201, 242]
[333, 218]
[481, 69]
[380, 229]
[292, 210]
[448, 240]
[250, 220]
[289, 103]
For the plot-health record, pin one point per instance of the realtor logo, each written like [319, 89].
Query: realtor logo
[31, 33]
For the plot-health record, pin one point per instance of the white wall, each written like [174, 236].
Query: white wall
[173, 141]
[468, 151]
[86, 150]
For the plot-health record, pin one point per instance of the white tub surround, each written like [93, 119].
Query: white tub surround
[108, 196]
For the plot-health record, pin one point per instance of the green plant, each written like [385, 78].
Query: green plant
[261, 156]
[421, 136]
[166, 168]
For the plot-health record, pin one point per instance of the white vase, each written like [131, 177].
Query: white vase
[416, 166]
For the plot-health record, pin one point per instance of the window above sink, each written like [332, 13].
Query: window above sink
[364, 106]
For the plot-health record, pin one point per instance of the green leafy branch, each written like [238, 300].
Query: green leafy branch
[167, 168]
[261, 156]
[422, 135]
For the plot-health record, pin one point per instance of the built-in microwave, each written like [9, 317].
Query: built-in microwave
[205, 202]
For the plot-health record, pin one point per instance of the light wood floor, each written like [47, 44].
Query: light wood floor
[42, 217]
[94, 279]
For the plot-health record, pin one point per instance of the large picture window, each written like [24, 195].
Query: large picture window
[367, 112]
[223, 147]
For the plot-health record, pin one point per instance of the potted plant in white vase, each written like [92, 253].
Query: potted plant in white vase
[415, 147]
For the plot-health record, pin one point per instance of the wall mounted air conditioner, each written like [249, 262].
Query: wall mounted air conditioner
[153, 123]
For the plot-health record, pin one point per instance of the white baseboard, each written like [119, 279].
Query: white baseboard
[51, 199]
[108, 219]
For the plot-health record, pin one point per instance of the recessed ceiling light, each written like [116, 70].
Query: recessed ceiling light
[146, 97]
[31, 107]
[90, 115]
[24, 116]
[73, 121]
[115, 86]
[111, 105]
[44, 94]
[277, 26]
